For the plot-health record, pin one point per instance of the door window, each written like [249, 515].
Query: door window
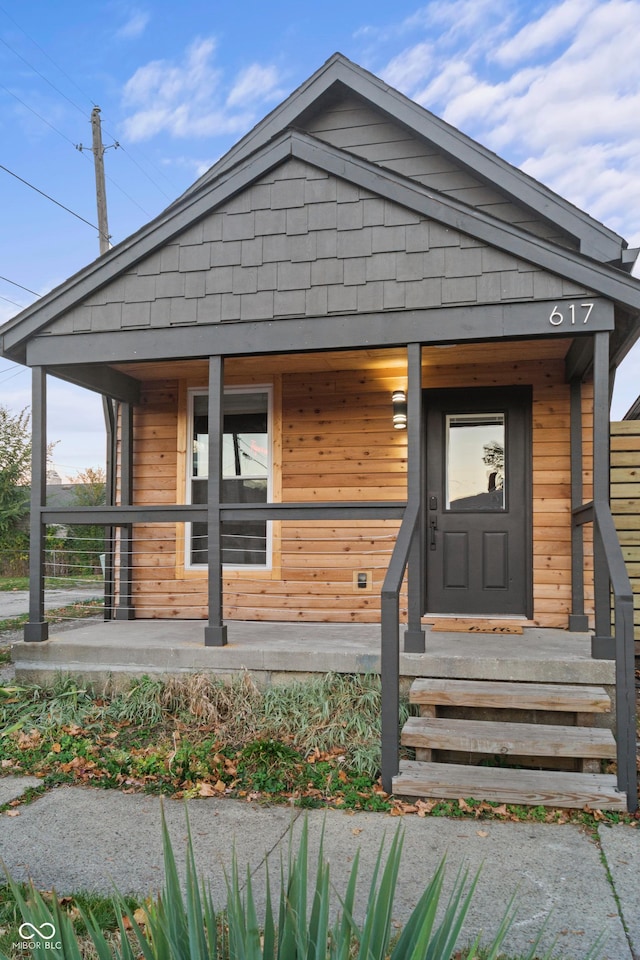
[475, 461]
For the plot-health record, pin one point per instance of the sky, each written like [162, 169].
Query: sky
[552, 87]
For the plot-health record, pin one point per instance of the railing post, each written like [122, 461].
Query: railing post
[390, 689]
[37, 629]
[602, 644]
[215, 634]
[414, 637]
[578, 621]
[625, 702]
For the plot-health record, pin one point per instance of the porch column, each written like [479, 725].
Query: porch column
[414, 637]
[215, 634]
[578, 621]
[37, 629]
[602, 644]
[124, 609]
[109, 409]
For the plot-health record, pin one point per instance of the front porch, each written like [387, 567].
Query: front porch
[274, 651]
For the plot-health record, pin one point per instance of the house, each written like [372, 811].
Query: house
[362, 342]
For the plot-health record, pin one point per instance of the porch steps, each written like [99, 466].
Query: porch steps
[505, 739]
[527, 787]
[515, 741]
[503, 694]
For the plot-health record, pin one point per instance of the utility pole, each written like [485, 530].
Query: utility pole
[101, 194]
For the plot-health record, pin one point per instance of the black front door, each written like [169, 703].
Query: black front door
[478, 501]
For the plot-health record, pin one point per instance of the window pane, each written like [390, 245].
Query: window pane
[245, 470]
[475, 465]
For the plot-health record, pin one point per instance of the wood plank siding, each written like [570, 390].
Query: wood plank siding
[333, 440]
[625, 502]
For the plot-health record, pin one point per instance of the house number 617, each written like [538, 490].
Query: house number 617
[556, 317]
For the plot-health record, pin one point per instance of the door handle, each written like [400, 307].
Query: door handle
[433, 526]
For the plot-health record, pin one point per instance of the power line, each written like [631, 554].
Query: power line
[42, 76]
[14, 284]
[36, 114]
[43, 194]
[84, 94]
[6, 299]
[50, 59]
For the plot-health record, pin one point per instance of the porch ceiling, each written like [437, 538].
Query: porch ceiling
[389, 359]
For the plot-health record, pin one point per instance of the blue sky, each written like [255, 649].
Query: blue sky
[553, 87]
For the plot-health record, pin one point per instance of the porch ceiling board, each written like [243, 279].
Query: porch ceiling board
[443, 325]
[392, 359]
[603, 280]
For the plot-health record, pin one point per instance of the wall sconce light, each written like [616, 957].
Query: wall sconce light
[399, 401]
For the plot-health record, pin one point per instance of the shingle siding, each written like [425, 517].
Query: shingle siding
[323, 246]
[355, 126]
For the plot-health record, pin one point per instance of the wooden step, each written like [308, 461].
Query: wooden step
[521, 696]
[528, 787]
[516, 739]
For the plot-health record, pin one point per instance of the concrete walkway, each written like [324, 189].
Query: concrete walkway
[76, 838]
[13, 603]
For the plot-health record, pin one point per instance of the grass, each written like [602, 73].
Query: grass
[51, 583]
[104, 909]
[309, 744]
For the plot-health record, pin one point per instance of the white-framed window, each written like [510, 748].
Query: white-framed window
[246, 474]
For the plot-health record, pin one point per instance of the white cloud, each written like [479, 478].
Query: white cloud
[568, 113]
[190, 99]
[135, 25]
[253, 85]
[553, 27]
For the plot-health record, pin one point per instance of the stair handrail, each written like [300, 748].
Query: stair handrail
[599, 512]
[390, 643]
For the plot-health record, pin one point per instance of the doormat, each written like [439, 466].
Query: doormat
[475, 626]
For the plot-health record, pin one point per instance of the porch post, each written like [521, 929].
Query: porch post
[37, 629]
[602, 644]
[414, 637]
[578, 621]
[110, 421]
[215, 634]
[124, 609]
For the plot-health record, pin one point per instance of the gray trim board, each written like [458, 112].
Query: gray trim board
[300, 335]
[37, 629]
[100, 379]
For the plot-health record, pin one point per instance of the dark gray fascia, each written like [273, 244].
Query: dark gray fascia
[633, 413]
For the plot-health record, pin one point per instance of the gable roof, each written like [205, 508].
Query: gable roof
[339, 74]
[260, 152]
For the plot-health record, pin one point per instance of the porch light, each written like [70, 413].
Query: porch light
[399, 401]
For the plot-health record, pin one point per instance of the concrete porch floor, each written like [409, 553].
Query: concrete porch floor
[271, 651]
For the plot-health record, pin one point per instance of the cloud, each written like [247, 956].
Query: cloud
[135, 25]
[559, 95]
[192, 98]
[253, 85]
